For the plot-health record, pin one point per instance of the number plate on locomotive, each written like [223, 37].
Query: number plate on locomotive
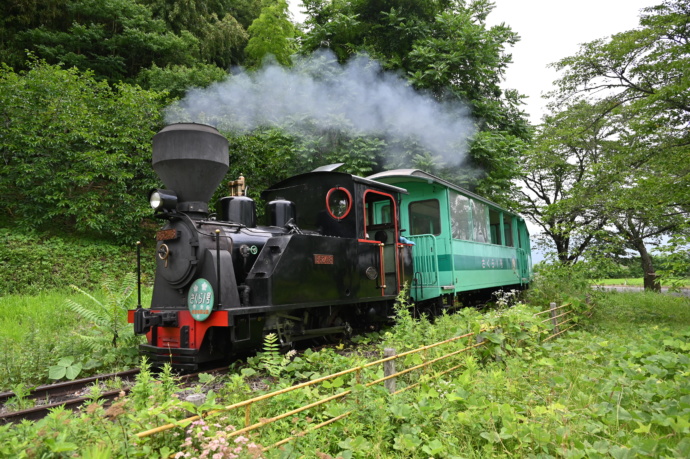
[323, 259]
[166, 235]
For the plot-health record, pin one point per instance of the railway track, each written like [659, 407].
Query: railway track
[71, 394]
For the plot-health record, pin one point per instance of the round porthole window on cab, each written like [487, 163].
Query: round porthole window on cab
[338, 202]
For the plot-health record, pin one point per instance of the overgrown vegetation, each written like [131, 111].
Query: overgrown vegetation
[593, 392]
[43, 337]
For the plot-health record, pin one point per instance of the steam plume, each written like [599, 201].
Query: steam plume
[317, 90]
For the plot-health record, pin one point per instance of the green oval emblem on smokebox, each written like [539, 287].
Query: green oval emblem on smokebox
[200, 299]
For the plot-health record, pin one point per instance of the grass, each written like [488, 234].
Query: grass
[45, 313]
[623, 312]
[38, 330]
[634, 282]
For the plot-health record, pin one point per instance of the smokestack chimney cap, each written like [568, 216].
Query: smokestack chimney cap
[190, 159]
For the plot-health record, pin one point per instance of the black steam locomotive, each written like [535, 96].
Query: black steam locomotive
[330, 256]
[222, 283]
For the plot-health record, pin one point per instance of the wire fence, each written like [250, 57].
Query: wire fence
[558, 317]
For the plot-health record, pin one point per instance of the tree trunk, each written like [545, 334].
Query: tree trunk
[651, 280]
[636, 239]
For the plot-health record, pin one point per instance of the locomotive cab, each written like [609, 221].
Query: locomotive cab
[358, 216]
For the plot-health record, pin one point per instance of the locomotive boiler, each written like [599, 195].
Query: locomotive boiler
[328, 256]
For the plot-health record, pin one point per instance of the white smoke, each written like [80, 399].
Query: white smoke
[317, 91]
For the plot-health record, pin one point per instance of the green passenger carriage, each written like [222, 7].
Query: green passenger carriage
[465, 245]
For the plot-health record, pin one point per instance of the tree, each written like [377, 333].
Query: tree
[636, 85]
[176, 80]
[75, 152]
[272, 33]
[646, 72]
[219, 25]
[115, 40]
[20, 15]
[563, 178]
[445, 49]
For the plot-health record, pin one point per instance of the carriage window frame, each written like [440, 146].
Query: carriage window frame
[495, 226]
[508, 239]
[460, 219]
[480, 222]
[436, 222]
[348, 197]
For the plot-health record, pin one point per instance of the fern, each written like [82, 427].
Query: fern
[271, 359]
[106, 317]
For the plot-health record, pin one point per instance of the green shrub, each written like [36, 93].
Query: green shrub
[76, 152]
[560, 283]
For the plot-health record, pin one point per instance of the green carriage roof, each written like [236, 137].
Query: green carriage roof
[415, 175]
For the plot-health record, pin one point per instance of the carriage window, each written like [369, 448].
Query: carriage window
[338, 202]
[425, 217]
[495, 226]
[508, 230]
[479, 222]
[460, 210]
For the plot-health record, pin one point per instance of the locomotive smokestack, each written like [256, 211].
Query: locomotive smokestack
[191, 159]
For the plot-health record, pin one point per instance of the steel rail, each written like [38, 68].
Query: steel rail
[67, 387]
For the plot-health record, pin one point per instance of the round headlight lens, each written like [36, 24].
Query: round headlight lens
[155, 200]
[163, 199]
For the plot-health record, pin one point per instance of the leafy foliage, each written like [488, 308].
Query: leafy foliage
[593, 392]
[609, 169]
[176, 80]
[109, 338]
[75, 151]
[106, 316]
[270, 359]
[115, 39]
[272, 34]
[66, 367]
[218, 25]
[119, 39]
[41, 262]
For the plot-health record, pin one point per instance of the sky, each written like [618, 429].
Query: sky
[550, 30]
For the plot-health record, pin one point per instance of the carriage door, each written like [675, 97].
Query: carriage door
[381, 225]
[524, 260]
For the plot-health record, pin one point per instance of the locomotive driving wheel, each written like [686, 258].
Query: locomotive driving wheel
[331, 321]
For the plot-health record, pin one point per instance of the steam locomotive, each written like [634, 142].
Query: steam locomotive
[334, 253]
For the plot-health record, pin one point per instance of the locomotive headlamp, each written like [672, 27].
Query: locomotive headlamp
[163, 199]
